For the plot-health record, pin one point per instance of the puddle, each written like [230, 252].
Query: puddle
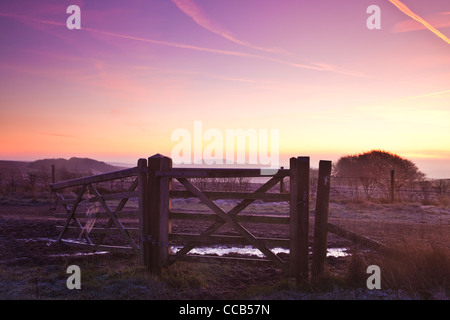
[35, 239]
[249, 250]
[337, 252]
[211, 250]
[51, 241]
[48, 240]
[79, 254]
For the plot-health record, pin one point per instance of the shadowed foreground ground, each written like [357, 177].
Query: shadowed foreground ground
[32, 266]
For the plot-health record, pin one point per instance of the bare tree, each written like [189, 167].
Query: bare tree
[373, 169]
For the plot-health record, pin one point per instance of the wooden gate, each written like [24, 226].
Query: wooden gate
[159, 235]
[90, 217]
[139, 214]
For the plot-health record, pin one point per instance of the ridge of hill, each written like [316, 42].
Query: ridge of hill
[74, 164]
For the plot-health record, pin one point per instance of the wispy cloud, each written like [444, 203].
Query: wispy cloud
[129, 37]
[384, 108]
[60, 135]
[403, 8]
[312, 66]
[193, 11]
[31, 19]
[438, 93]
[439, 20]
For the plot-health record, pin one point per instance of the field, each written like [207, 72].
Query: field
[33, 266]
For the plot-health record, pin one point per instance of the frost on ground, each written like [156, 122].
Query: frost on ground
[339, 294]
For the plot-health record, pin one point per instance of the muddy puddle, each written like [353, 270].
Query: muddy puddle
[218, 250]
[250, 251]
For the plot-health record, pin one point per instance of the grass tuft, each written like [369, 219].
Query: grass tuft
[180, 275]
[418, 269]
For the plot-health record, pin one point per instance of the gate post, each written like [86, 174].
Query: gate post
[144, 224]
[299, 218]
[282, 184]
[321, 220]
[158, 213]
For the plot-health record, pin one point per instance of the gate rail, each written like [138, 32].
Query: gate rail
[93, 214]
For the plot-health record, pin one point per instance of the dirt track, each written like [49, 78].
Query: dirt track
[33, 266]
[27, 235]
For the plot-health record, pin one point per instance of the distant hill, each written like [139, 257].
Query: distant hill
[23, 176]
[80, 165]
[11, 165]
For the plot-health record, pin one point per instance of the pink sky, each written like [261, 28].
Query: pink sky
[138, 70]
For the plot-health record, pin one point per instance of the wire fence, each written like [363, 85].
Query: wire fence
[384, 208]
[387, 190]
[392, 210]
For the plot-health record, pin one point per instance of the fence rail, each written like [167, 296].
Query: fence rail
[101, 214]
[160, 171]
[140, 214]
[126, 173]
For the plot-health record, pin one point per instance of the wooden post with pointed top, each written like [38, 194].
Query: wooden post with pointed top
[321, 220]
[158, 213]
[53, 174]
[299, 218]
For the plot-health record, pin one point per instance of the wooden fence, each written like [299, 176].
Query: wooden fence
[90, 217]
[140, 215]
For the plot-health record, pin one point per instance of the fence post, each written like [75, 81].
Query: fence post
[158, 211]
[282, 184]
[321, 220]
[53, 174]
[144, 224]
[299, 216]
[53, 203]
[392, 185]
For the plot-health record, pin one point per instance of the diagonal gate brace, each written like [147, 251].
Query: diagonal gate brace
[230, 219]
[233, 212]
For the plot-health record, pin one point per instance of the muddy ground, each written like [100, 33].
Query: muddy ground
[33, 266]
[27, 235]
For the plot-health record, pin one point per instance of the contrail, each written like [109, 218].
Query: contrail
[424, 95]
[313, 66]
[123, 36]
[193, 11]
[439, 20]
[403, 8]
[217, 51]
[24, 18]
